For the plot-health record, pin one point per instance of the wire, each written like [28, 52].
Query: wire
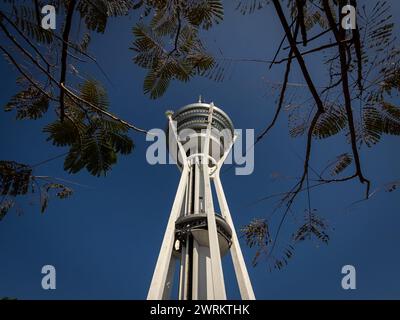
[49, 160]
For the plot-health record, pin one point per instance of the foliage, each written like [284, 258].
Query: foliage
[14, 178]
[42, 58]
[380, 119]
[25, 18]
[178, 22]
[257, 235]
[358, 103]
[330, 123]
[380, 60]
[250, 6]
[17, 179]
[256, 232]
[29, 104]
[313, 226]
[94, 141]
[61, 191]
[341, 163]
[95, 13]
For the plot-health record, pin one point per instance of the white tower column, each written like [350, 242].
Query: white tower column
[242, 276]
[215, 254]
[157, 286]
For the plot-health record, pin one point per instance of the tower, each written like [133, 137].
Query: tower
[197, 237]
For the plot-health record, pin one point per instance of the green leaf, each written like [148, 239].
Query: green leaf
[25, 19]
[121, 143]
[330, 123]
[205, 13]
[95, 13]
[29, 104]
[94, 93]
[184, 55]
[74, 162]
[63, 133]
[378, 120]
[155, 84]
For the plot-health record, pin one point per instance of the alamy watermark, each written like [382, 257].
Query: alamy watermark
[49, 19]
[242, 142]
[349, 280]
[349, 19]
[49, 280]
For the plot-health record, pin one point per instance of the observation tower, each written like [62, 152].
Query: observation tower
[197, 237]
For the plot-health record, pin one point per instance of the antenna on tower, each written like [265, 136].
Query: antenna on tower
[200, 99]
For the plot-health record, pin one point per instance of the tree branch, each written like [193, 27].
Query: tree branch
[37, 12]
[178, 31]
[102, 111]
[357, 47]
[339, 36]
[299, 186]
[282, 93]
[300, 16]
[24, 74]
[280, 46]
[323, 47]
[64, 53]
[299, 58]
[2, 15]
[312, 38]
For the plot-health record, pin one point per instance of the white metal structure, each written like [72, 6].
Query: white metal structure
[196, 236]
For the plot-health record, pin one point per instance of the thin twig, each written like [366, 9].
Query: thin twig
[25, 75]
[298, 55]
[282, 93]
[26, 39]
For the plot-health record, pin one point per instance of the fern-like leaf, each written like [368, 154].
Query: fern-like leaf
[313, 226]
[29, 104]
[343, 161]
[330, 123]
[94, 141]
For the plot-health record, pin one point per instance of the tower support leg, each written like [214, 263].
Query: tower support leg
[170, 279]
[215, 254]
[242, 276]
[158, 281]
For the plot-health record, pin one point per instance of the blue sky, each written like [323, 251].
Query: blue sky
[104, 241]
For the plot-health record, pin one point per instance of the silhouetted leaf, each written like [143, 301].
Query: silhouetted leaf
[330, 123]
[313, 226]
[342, 162]
[29, 104]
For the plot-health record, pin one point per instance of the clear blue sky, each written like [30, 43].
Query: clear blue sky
[104, 241]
